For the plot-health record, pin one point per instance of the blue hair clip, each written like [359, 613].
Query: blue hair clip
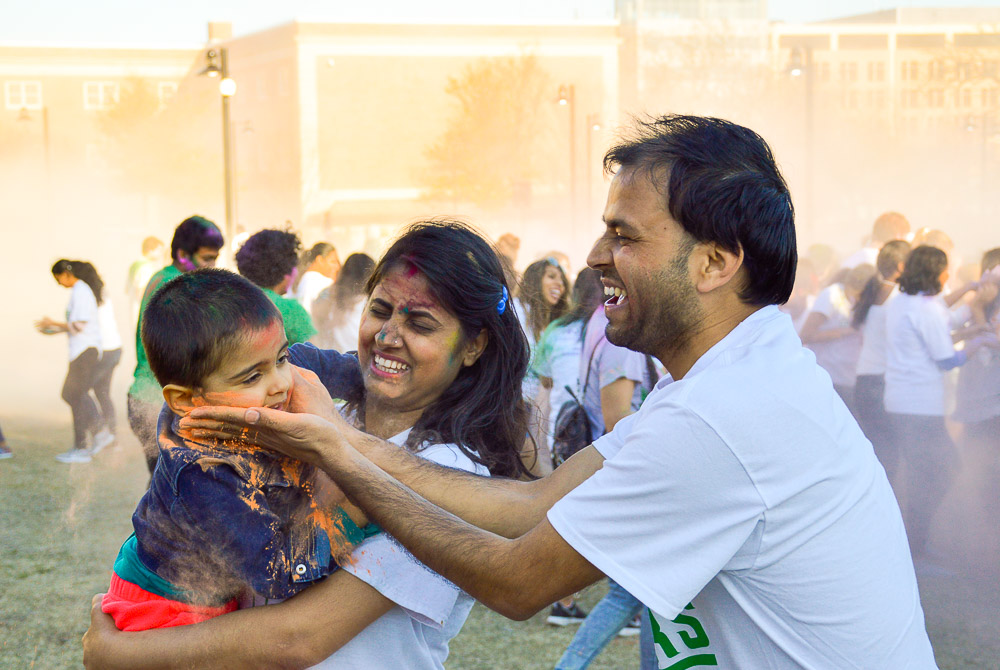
[502, 305]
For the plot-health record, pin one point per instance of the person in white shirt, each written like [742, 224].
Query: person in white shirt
[919, 350]
[741, 504]
[337, 311]
[829, 333]
[977, 410]
[868, 316]
[84, 331]
[111, 355]
[321, 266]
[441, 360]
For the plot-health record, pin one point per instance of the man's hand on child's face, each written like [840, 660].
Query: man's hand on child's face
[308, 395]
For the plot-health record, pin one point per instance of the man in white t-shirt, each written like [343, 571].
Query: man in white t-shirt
[741, 504]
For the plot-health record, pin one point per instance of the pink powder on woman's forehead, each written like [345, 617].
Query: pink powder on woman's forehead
[408, 290]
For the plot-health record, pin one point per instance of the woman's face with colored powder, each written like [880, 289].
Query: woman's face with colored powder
[410, 347]
[255, 373]
[552, 285]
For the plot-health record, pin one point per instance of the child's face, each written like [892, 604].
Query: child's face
[256, 373]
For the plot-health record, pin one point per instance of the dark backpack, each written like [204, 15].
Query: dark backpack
[572, 430]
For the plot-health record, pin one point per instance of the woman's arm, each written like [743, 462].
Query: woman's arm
[297, 633]
[811, 330]
[47, 326]
[959, 293]
[616, 401]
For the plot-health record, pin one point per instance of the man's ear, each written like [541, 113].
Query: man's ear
[715, 266]
[475, 348]
[180, 399]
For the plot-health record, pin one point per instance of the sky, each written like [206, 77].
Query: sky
[183, 22]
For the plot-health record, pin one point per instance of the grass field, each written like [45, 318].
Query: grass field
[61, 525]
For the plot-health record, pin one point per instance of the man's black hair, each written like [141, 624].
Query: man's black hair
[195, 319]
[720, 182]
[268, 256]
[192, 234]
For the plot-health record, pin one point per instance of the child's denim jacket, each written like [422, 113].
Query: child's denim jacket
[221, 518]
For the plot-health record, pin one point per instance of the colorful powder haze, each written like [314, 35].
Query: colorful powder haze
[130, 178]
[92, 185]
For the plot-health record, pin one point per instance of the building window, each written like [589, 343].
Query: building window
[166, 90]
[824, 71]
[23, 94]
[966, 98]
[849, 72]
[876, 71]
[99, 94]
[935, 98]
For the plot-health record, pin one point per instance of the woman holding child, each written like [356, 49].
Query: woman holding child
[442, 357]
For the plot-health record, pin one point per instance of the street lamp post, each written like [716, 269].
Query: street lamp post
[567, 97]
[593, 126]
[218, 66]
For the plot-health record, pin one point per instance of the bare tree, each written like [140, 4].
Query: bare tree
[495, 142]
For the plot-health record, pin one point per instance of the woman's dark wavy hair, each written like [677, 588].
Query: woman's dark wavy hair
[540, 313]
[83, 271]
[922, 272]
[482, 411]
[353, 277]
[721, 183]
[588, 294]
[889, 257]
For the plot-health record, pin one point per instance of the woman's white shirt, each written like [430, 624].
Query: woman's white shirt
[82, 308]
[309, 288]
[872, 358]
[429, 610]
[111, 339]
[917, 336]
[838, 357]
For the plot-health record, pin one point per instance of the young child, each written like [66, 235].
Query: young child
[225, 520]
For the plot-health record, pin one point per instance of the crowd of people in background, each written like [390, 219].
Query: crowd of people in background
[909, 335]
[907, 332]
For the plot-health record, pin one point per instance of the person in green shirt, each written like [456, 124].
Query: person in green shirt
[195, 244]
[269, 258]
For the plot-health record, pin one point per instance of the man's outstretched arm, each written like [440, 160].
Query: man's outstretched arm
[516, 577]
[493, 540]
[313, 429]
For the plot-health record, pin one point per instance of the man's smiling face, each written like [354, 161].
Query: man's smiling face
[644, 258]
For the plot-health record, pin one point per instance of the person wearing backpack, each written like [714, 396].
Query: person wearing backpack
[556, 364]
